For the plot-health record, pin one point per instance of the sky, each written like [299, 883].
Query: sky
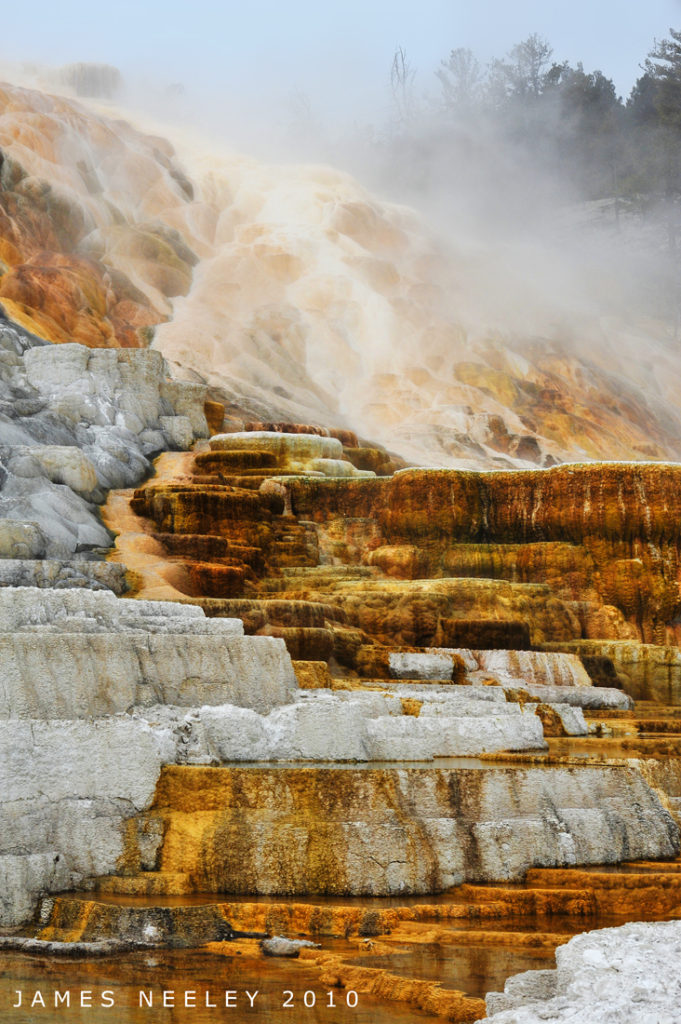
[337, 54]
[317, 39]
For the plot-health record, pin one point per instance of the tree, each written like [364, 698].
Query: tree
[663, 90]
[588, 126]
[402, 76]
[524, 72]
[641, 105]
[461, 78]
[663, 66]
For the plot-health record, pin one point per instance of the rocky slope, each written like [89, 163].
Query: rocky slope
[311, 301]
[74, 423]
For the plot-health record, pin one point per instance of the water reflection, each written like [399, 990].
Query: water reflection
[473, 969]
[206, 977]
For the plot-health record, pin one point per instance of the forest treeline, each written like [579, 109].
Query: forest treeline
[553, 116]
[526, 157]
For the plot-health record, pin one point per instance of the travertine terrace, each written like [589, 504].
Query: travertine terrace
[265, 677]
[399, 660]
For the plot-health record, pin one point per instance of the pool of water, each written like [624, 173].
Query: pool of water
[475, 970]
[195, 984]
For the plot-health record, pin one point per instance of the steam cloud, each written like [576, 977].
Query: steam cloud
[488, 314]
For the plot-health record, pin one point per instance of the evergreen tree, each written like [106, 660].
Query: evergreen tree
[663, 67]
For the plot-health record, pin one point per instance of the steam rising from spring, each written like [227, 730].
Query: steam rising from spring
[314, 300]
[317, 301]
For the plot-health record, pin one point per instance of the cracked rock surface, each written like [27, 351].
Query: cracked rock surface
[620, 975]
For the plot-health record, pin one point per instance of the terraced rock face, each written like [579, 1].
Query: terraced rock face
[435, 734]
[382, 644]
[386, 831]
[603, 537]
[423, 558]
[200, 692]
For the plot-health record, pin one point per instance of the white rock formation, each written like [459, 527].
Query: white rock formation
[80, 654]
[626, 975]
[326, 726]
[311, 454]
[98, 692]
[75, 422]
[74, 764]
[416, 665]
[546, 668]
[66, 789]
[448, 735]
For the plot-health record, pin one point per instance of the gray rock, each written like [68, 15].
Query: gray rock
[74, 423]
[279, 946]
[177, 430]
[620, 975]
[21, 540]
